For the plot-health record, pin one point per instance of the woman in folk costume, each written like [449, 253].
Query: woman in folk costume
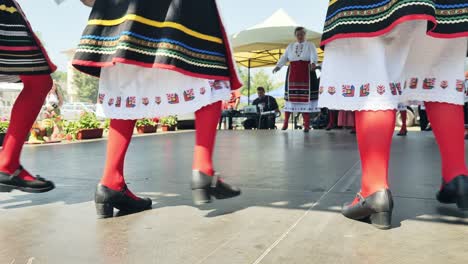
[301, 89]
[346, 120]
[22, 58]
[465, 107]
[382, 52]
[157, 58]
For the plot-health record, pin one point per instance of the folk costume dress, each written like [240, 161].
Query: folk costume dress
[301, 88]
[156, 58]
[21, 52]
[379, 53]
[22, 58]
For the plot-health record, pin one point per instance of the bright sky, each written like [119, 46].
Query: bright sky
[61, 26]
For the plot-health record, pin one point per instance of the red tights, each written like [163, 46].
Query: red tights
[23, 114]
[306, 117]
[404, 117]
[120, 134]
[374, 134]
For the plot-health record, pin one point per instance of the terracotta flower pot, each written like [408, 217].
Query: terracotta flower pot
[90, 133]
[147, 129]
[166, 128]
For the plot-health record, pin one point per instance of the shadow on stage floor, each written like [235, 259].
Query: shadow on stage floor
[286, 171]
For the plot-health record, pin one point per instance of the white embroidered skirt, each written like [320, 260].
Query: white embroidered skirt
[403, 66]
[132, 92]
[309, 107]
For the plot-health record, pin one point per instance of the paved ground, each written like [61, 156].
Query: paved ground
[288, 213]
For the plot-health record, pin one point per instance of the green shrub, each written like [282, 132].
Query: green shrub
[145, 122]
[4, 126]
[88, 120]
[169, 121]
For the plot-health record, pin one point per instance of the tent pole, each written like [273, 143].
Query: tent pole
[248, 80]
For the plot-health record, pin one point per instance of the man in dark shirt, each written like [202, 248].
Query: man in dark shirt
[266, 103]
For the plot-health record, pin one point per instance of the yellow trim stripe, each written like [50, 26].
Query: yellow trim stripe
[153, 23]
[332, 2]
[8, 9]
[24, 69]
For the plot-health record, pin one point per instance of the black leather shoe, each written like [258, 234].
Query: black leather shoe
[455, 192]
[402, 134]
[107, 199]
[12, 182]
[204, 187]
[376, 209]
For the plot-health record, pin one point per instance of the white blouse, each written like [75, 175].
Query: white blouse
[304, 51]
[52, 99]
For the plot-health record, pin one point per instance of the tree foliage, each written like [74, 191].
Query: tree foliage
[60, 78]
[257, 79]
[87, 87]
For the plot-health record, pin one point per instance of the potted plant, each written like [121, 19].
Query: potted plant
[88, 127]
[106, 124]
[3, 128]
[146, 125]
[70, 129]
[169, 123]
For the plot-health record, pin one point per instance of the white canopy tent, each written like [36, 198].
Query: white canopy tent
[262, 45]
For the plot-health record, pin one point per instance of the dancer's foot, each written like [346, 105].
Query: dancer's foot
[306, 130]
[284, 128]
[23, 181]
[402, 133]
[124, 200]
[455, 192]
[328, 128]
[204, 187]
[376, 208]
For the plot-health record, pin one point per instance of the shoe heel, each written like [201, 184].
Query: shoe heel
[5, 188]
[462, 203]
[104, 210]
[201, 196]
[382, 220]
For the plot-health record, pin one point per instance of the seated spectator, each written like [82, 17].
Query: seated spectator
[266, 103]
[229, 108]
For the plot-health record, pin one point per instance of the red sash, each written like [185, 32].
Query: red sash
[299, 82]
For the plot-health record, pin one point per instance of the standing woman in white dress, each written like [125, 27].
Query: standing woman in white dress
[301, 88]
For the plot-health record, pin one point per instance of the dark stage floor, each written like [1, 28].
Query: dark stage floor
[293, 185]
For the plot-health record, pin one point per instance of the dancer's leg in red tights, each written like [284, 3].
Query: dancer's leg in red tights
[24, 113]
[306, 120]
[331, 119]
[206, 120]
[120, 135]
[404, 117]
[287, 115]
[447, 121]
[374, 135]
